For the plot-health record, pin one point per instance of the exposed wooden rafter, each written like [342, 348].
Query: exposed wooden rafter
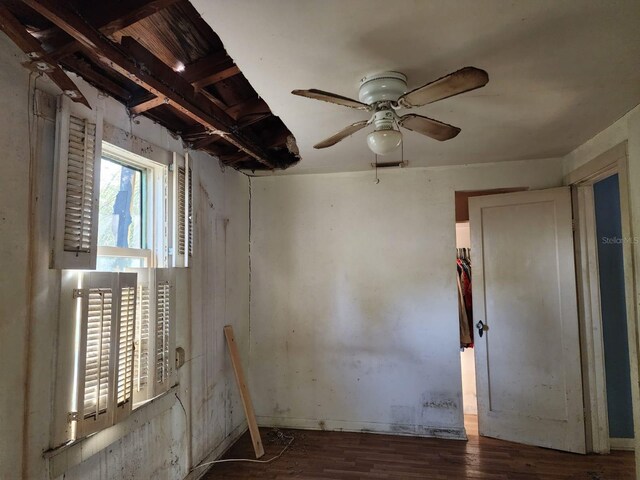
[140, 66]
[29, 45]
[217, 67]
[216, 77]
[249, 107]
[142, 106]
[110, 19]
[84, 69]
[211, 64]
[132, 12]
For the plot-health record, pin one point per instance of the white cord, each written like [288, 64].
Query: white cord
[226, 460]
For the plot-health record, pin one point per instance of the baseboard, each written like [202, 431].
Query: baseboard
[199, 470]
[622, 444]
[450, 433]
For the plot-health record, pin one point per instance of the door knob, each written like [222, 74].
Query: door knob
[482, 327]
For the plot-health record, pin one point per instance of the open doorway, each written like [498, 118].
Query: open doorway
[467, 359]
[606, 196]
[464, 267]
[603, 254]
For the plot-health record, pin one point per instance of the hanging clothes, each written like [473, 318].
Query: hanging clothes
[465, 332]
[465, 303]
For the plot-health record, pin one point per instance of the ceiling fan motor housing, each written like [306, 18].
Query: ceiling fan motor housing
[382, 87]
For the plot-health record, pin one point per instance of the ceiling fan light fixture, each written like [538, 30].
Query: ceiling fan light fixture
[383, 142]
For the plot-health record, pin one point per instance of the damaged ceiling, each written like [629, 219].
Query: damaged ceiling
[160, 59]
[560, 71]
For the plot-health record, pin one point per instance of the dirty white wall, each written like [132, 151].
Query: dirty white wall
[353, 297]
[626, 129]
[14, 253]
[467, 357]
[165, 446]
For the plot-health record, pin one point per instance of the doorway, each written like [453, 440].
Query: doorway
[603, 254]
[467, 352]
[606, 196]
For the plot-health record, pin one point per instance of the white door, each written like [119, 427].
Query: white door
[528, 361]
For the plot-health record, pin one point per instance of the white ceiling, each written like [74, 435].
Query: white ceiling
[560, 71]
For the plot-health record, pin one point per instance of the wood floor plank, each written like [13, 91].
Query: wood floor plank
[318, 455]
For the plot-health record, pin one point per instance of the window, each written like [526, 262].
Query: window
[116, 214]
[154, 355]
[125, 342]
[104, 328]
[132, 211]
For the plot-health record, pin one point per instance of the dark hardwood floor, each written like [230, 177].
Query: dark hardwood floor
[316, 455]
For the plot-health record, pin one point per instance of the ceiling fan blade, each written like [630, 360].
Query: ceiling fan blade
[342, 134]
[429, 127]
[464, 80]
[331, 98]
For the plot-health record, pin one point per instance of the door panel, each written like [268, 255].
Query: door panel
[528, 362]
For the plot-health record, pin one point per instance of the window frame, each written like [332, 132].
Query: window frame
[155, 207]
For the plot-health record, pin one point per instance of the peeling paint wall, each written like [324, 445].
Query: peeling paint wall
[354, 315]
[167, 445]
[14, 229]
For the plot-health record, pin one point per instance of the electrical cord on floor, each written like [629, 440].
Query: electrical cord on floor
[279, 434]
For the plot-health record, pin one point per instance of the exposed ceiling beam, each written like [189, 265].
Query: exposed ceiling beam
[110, 18]
[211, 64]
[253, 118]
[129, 14]
[85, 70]
[193, 132]
[249, 107]
[216, 77]
[203, 142]
[29, 45]
[144, 105]
[153, 75]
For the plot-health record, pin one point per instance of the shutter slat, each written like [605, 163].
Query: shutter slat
[162, 331]
[98, 352]
[189, 214]
[79, 194]
[126, 344]
[181, 210]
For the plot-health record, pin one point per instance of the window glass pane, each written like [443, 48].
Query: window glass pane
[106, 263]
[121, 215]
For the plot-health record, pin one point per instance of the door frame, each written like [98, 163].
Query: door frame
[613, 161]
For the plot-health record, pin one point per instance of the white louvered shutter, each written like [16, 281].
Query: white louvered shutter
[126, 338]
[96, 357]
[164, 329]
[189, 210]
[142, 374]
[182, 240]
[77, 185]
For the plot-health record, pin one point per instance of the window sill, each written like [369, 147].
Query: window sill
[71, 454]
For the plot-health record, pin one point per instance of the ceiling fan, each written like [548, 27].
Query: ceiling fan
[384, 93]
